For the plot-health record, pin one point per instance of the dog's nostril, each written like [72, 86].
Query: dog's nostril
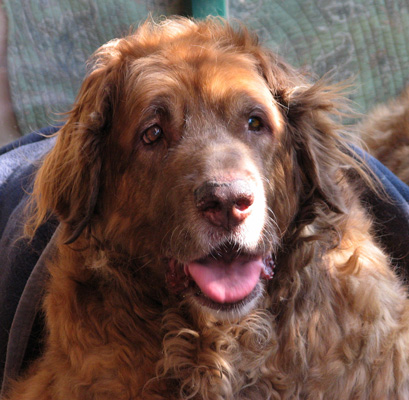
[244, 203]
[225, 204]
[210, 206]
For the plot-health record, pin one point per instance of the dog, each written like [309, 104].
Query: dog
[212, 242]
[385, 132]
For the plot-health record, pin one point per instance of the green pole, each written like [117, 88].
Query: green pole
[203, 8]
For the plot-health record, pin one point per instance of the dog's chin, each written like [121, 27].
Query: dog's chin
[227, 283]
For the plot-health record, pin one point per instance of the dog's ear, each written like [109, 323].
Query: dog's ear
[321, 150]
[310, 112]
[68, 182]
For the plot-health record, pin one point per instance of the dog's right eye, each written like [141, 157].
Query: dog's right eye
[152, 134]
[255, 124]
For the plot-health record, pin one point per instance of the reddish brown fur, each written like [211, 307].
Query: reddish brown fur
[386, 133]
[332, 323]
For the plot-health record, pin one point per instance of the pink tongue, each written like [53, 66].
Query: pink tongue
[226, 283]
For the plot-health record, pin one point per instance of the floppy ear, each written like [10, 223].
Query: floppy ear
[312, 130]
[68, 182]
[321, 151]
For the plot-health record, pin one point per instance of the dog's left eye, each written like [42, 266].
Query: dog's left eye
[152, 134]
[255, 124]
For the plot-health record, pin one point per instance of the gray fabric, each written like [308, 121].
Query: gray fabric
[28, 306]
[16, 168]
[21, 157]
[18, 255]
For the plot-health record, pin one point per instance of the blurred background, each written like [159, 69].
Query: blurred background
[44, 45]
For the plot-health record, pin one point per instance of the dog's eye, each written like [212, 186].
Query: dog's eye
[255, 124]
[152, 134]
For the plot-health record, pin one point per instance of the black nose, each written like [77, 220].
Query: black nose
[225, 204]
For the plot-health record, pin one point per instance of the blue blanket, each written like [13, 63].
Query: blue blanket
[22, 277]
[22, 263]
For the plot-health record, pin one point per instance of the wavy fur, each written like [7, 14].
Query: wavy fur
[331, 324]
[385, 131]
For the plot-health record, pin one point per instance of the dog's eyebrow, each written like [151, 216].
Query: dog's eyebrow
[255, 107]
[161, 105]
[249, 103]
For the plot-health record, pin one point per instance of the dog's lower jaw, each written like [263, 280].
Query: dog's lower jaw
[228, 312]
[234, 305]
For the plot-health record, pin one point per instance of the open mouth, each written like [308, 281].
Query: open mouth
[226, 277]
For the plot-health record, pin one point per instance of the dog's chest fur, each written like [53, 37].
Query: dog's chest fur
[147, 347]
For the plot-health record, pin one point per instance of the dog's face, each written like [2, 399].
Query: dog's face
[198, 151]
[179, 153]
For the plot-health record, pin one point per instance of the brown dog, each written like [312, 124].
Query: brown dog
[386, 133]
[210, 245]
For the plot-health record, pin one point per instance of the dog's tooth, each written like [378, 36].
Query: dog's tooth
[268, 270]
[186, 270]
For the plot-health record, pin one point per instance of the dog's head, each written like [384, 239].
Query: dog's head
[193, 149]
